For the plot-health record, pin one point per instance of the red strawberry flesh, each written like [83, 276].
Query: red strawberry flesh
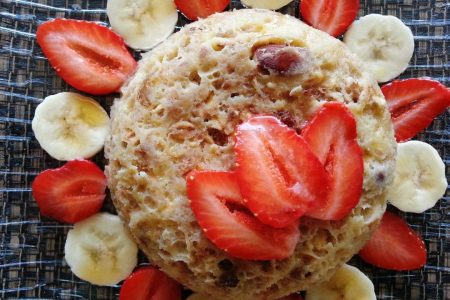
[88, 56]
[414, 103]
[280, 178]
[331, 16]
[195, 9]
[332, 136]
[149, 283]
[395, 246]
[70, 193]
[237, 232]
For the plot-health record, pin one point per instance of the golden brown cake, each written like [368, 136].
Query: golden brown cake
[179, 113]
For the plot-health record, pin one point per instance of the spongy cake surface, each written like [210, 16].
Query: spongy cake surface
[179, 113]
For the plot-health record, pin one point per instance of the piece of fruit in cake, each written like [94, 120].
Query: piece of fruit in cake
[331, 16]
[149, 283]
[414, 103]
[70, 126]
[217, 204]
[332, 137]
[100, 250]
[279, 176]
[283, 59]
[384, 44]
[142, 23]
[394, 246]
[419, 180]
[70, 193]
[88, 56]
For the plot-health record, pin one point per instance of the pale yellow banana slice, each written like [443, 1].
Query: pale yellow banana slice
[348, 283]
[100, 250]
[69, 126]
[384, 44]
[267, 4]
[419, 180]
[142, 23]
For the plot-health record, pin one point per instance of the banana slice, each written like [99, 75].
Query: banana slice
[142, 23]
[419, 180]
[100, 250]
[69, 126]
[384, 44]
[348, 283]
[267, 4]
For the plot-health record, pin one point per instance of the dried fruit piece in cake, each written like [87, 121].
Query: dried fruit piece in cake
[283, 59]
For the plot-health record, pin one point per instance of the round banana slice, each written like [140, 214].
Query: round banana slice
[419, 180]
[142, 23]
[384, 44]
[267, 4]
[69, 126]
[347, 283]
[100, 250]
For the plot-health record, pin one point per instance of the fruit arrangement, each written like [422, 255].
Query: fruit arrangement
[71, 127]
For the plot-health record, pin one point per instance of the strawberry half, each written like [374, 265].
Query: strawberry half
[70, 193]
[86, 55]
[149, 283]
[216, 201]
[331, 134]
[414, 103]
[395, 246]
[331, 16]
[280, 178]
[195, 9]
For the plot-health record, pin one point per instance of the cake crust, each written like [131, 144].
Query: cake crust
[179, 113]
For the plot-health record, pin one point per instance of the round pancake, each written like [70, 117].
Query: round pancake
[179, 112]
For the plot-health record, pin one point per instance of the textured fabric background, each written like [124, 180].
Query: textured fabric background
[31, 247]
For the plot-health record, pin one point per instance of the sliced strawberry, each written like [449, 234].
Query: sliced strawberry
[280, 178]
[331, 16]
[86, 55]
[70, 193]
[215, 200]
[414, 103]
[149, 283]
[195, 9]
[331, 134]
[395, 246]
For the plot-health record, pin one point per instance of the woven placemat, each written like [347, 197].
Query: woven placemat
[31, 247]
